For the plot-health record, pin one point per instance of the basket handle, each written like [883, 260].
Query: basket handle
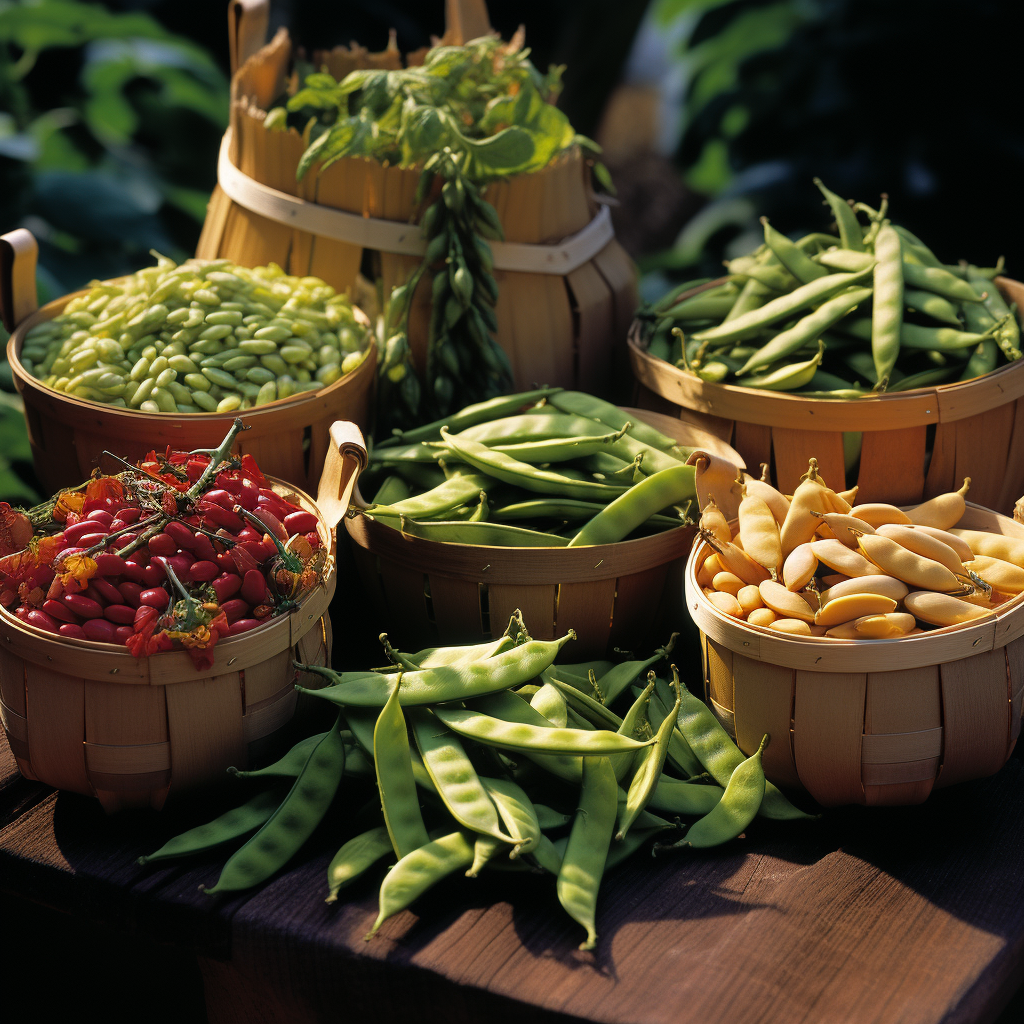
[715, 477]
[346, 459]
[18, 300]
[465, 20]
[247, 29]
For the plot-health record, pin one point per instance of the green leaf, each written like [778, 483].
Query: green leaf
[508, 152]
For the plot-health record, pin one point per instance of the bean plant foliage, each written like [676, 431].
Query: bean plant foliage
[109, 126]
[468, 115]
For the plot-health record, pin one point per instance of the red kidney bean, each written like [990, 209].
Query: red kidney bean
[90, 539]
[72, 631]
[248, 533]
[59, 610]
[106, 590]
[153, 575]
[130, 592]
[220, 516]
[203, 548]
[226, 585]
[300, 522]
[155, 597]
[129, 514]
[109, 564]
[84, 606]
[39, 619]
[226, 562]
[122, 633]
[72, 534]
[125, 539]
[121, 614]
[92, 593]
[22, 612]
[243, 626]
[100, 630]
[102, 516]
[272, 498]
[272, 523]
[162, 544]
[235, 609]
[135, 572]
[183, 537]
[204, 572]
[246, 493]
[221, 497]
[254, 587]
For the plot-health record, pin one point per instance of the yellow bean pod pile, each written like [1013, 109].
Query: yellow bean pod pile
[205, 336]
[814, 564]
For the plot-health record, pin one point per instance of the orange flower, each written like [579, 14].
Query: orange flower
[46, 549]
[78, 569]
[15, 529]
[68, 501]
[104, 487]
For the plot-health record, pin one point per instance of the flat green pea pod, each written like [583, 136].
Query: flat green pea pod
[421, 451]
[623, 515]
[983, 360]
[846, 260]
[579, 700]
[931, 305]
[935, 279]
[455, 491]
[785, 306]
[887, 308]
[356, 857]
[292, 823]
[788, 377]
[914, 244]
[580, 404]
[560, 449]
[485, 850]
[673, 796]
[672, 298]
[517, 813]
[824, 381]
[720, 756]
[943, 339]
[791, 256]
[230, 825]
[638, 837]
[772, 276]
[737, 808]
[416, 872]
[467, 531]
[579, 877]
[752, 296]
[539, 424]
[846, 220]
[551, 704]
[433, 657]
[528, 738]
[289, 766]
[658, 710]
[398, 796]
[712, 304]
[926, 378]
[393, 489]
[547, 855]
[1008, 331]
[649, 765]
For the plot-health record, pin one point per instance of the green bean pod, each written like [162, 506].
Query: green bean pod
[931, 305]
[468, 531]
[788, 377]
[791, 256]
[675, 797]
[455, 491]
[551, 704]
[679, 752]
[287, 767]
[887, 309]
[356, 857]
[517, 813]
[935, 279]
[846, 220]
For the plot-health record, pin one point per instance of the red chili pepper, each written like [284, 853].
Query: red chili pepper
[106, 589]
[58, 610]
[100, 630]
[216, 514]
[243, 626]
[119, 614]
[235, 609]
[72, 631]
[300, 522]
[180, 535]
[226, 586]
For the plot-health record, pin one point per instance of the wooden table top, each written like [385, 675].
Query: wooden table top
[867, 915]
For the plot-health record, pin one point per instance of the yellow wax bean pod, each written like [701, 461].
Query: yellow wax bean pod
[914, 569]
[712, 565]
[884, 586]
[878, 513]
[773, 498]
[796, 626]
[784, 602]
[749, 598]
[713, 520]
[799, 525]
[728, 583]
[832, 578]
[840, 524]
[725, 603]
[924, 544]
[836, 555]
[885, 626]
[738, 562]
[812, 597]
[761, 617]
[759, 533]
[799, 568]
[960, 546]
[999, 574]
[853, 606]
[705, 577]
[943, 511]
[995, 545]
[819, 630]
[838, 503]
[849, 496]
[942, 609]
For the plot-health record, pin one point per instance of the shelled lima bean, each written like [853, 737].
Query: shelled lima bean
[205, 336]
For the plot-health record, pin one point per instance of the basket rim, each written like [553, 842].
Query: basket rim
[943, 403]
[24, 380]
[144, 666]
[806, 653]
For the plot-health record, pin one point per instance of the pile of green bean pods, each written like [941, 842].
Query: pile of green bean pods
[205, 336]
[544, 468]
[838, 316]
[490, 756]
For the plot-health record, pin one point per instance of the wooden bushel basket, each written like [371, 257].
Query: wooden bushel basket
[869, 721]
[567, 290]
[916, 444]
[90, 718]
[611, 595]
[288, 438]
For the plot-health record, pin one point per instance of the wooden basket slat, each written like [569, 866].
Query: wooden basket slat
[894, 747]
[12, 680]
[982, 447]
[127, 759]
[975, 714]
[405, 595]
[116, 714]
[119, 792]
[828, 722]
[595, 309]
[218, 209]
[942, 464]
[537, 603]
[725, 716]
[899, 782]
[619, 271]
[636, 602]
[55, 710]
[793, 448]
[314, 648]
[204, 724]
[754, 442]
[586, 608]
[330, 258]
[892, 465]
[720, 677]
[269, 715]
[456, 606]
[763, 703]
[265, 679]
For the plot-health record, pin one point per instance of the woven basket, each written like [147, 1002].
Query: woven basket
[567, 290]
[869, 721]
[288, 438]
[614, 595]
[90, 718]
[916, 443]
